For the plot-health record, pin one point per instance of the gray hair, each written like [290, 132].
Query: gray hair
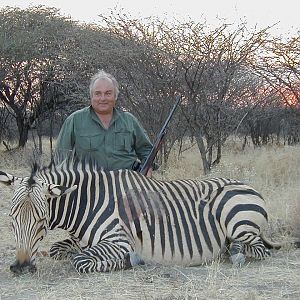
[103, 75]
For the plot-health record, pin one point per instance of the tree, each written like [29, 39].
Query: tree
[279, 64]
[31, 43]
[212, 64]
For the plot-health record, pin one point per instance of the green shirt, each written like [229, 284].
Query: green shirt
[115, 147]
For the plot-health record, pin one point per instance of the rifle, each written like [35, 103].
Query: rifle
[156, 146]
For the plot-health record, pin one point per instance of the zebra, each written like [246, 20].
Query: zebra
[119, 219]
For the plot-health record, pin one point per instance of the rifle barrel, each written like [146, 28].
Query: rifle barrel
[151, 156]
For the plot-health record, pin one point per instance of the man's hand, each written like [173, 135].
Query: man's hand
[149, 173]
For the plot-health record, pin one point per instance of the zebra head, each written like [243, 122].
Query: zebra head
[29, 212]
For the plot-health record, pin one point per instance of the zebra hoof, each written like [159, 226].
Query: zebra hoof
[267, 253]
[135, 259]
[238, 259]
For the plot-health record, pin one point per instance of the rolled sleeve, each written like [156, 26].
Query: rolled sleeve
[65, 140]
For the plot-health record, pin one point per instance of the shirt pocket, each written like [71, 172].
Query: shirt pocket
[90, 141]
[123, 141]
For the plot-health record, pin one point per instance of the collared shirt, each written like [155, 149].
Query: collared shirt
[115, 147]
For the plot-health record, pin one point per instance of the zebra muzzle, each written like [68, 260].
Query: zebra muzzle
[21, 268]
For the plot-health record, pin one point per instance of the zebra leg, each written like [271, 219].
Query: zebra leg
[251, 246]
[85, 263]
[236, 252]
[257, 249]
[64, 249]
[105, 257]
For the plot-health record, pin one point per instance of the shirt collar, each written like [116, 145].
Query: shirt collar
[116, 115]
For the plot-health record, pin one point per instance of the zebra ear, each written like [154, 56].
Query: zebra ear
[54, 190]
[9, 179]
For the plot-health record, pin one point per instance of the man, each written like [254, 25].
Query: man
[115, 139]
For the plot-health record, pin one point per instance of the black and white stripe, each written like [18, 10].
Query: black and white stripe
[112, 215]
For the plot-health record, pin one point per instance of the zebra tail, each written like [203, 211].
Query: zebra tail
[269, 244]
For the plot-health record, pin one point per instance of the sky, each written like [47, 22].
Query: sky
[257, 13]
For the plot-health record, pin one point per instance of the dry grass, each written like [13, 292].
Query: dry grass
[272, 171]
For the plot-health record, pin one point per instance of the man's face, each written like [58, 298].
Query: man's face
[103, 96]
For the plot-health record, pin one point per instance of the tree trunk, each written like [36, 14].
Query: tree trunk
[23, 129]
[201, 146]
[40, 144]
[219, 154]
[219, 142]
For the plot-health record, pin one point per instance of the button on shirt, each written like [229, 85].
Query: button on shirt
[115, 147]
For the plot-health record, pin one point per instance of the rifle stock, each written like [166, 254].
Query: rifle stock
[157, 144]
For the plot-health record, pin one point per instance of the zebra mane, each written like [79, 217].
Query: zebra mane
[67, 163]
[34, 168]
